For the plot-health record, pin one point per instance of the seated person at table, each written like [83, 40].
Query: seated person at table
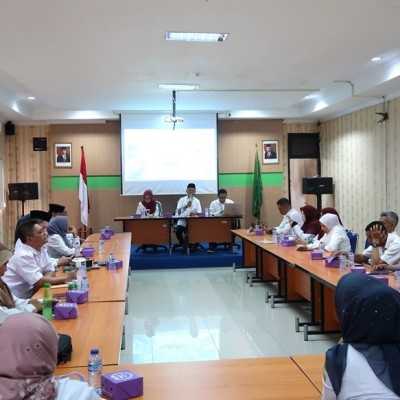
[10, 304]
[34, 214]
[385, 248]
[390, 220]
[311, 227]
[28, 360]
[217, 209]
[365, 365]
[285, 209]
[57, 209]
[217, 206]
[148, 206]
[335, 236]
[187, 206]
[58, 243]
[30, 267]
[328, 210]
[43, 218]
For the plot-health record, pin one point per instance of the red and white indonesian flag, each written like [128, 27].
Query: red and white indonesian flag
[83, 191]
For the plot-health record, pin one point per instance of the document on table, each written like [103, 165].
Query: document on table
[265, 241]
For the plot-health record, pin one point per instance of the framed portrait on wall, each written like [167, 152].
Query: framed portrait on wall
[270, 150]
[63, 155]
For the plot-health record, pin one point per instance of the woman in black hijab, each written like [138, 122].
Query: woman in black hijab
[366, 365]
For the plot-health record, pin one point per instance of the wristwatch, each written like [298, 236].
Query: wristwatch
[375, 244]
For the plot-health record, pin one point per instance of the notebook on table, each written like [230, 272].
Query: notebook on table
[233, 210]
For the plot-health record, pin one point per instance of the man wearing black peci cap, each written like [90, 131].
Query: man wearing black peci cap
[57, 209]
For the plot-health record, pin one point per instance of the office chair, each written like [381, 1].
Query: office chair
[353, 237]
[154, 247]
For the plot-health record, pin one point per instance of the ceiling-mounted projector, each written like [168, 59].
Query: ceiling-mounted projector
[174, 119]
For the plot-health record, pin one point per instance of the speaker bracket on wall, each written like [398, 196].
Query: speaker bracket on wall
[39, 144]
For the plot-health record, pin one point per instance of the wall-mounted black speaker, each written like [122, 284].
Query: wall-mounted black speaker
[317, 185]
[10, 128]
[39, 144]
[23, 191]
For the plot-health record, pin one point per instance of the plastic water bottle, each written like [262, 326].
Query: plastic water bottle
[342, 265]
[350, 261]
[321, 246]
[85, 283]
[206, 213]
[101, 245]
[111, 262]
[274, 236]
[77, 247]
[95, 367]
[81, 273]
[397, 279]
[47, 305]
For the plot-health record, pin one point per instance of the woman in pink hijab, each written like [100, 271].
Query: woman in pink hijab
[28, 355]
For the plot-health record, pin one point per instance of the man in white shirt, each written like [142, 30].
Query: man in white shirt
[390, 220]
[285, 208]
[216, 209]
[187, 206]
[30, 267]
[217, 206]
[384, 252]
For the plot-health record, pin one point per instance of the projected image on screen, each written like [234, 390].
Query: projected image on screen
[166, 160]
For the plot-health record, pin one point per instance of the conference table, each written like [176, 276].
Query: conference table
[277, 378]
[158, 230]
[100, 321]
[312, 366]
[298, 278]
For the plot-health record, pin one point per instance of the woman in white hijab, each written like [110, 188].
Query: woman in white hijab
[335, 236]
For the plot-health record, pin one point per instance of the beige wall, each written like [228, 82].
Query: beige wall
[361, 156]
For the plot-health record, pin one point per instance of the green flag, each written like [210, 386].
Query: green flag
[257, 188]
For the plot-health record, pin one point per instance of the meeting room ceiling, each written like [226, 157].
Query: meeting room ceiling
[290, 59]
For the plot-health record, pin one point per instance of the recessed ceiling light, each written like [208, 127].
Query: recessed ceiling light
[376, 58]
[196, 36]
[31, 98]
[178, 86]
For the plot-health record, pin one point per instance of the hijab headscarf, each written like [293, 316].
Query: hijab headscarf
[28, 355]
[329, 210]
[153, 204]
[6, 298]
[59, 226]
[311, 224]
[369, 316]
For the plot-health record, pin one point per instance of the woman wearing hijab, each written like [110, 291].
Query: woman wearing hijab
[335, 236]
[58, 244]
[10, 304]
[366, 365]
[328, 210]
[148, 206]
[28, 360]
[311, 227]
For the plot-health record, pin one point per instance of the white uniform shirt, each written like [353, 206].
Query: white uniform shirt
[390, 253]
[56, 247]
[25, 268]
[284, 227]
[21, 305]
[71, 389]
[195, 208]
[142, 209]
[359, 381]
[217, 208]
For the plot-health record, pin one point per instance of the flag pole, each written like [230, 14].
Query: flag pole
[83, 191]
[257, 188]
